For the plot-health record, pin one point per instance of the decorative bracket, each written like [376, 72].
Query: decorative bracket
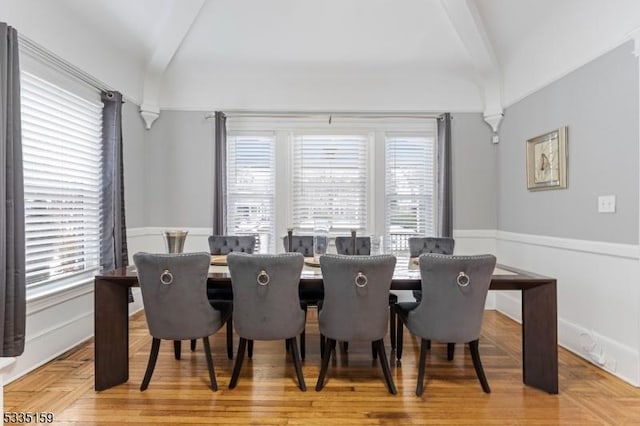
[149, 114]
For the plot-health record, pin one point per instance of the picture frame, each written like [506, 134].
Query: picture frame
[547, 161]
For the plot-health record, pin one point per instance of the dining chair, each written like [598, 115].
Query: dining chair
[422, 245]
[222, 298]
[303, 244]
[266, 303]
[454, 290]
[176, 304]
[344, 245]
[355, 306]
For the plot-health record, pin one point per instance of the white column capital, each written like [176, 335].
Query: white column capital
[493, 119]
[149, 114]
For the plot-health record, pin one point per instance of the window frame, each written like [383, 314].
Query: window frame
[375, 126]
[53, 76]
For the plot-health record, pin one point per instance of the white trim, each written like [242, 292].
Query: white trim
[58, 296]
[474, 233]
[630, 251]
[157, 231]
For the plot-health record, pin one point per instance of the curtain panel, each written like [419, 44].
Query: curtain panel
[113, 246]
[12, 234]
[445, 187]
[220, 175]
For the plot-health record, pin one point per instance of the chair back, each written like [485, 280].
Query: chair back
[225, 244]
[356, 296]
[266, 305]
[421, 245]
[174, 294]
[363, 246]
[299, 244]
[454, 290]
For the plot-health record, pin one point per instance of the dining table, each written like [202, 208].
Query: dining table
[538, 320]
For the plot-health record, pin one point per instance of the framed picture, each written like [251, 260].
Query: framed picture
[547, 161]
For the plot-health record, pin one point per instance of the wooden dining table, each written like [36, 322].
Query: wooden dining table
[539, 318]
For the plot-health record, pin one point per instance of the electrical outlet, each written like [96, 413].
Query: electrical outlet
[607, 204]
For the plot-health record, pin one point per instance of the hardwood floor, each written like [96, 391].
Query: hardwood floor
[354, 393]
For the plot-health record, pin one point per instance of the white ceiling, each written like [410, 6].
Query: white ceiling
[330, 54]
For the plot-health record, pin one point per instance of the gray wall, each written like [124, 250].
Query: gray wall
[474, 173]
[178, 176]
[178, 170]
[133, 142]
[599, 104]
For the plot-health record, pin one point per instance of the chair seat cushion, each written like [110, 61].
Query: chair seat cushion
[403, 308]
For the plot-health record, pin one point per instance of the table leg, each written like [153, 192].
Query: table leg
[540, 337]
[111, 334]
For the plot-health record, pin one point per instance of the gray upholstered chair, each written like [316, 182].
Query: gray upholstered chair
[299, 244]
[175, 302]
[266, 303]
[355, 307]
[363, 248]
[225, 244]
[422, 245]
[219, 297]
[454, 290]
[303, 244]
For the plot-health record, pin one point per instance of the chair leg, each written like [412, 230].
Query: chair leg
[212, 372]
[477, 364]
[399, 338]
[374, 350]
[322, 344]
[297, 363]
[303, 335]
[230, 337]
[384, 363]
[250, 348]
[451, 348]
[345, 346]
[392, 327]
[238, 364]
[177, 348]
[326, 356]
[193, 345]
[153, 357]
[424, 347]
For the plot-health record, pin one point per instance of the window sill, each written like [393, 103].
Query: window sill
[39, 299]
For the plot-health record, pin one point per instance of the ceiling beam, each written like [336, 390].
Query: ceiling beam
[468, 24]
[174, 28]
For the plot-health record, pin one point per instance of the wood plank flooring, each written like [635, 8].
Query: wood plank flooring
[354, 393]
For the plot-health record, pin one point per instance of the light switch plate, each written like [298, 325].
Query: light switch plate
[607, 204]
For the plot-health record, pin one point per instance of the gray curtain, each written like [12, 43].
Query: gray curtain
[445, 187]
[12, 239]
[220, 175]
[113, 248]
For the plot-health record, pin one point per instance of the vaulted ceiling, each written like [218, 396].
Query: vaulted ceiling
[405, 55]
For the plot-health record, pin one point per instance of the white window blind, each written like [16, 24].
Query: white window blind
[409, 189]
[251, 189]
[330, 182]
[62, 148]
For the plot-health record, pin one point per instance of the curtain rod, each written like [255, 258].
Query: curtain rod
[371, 115]
[42, 54]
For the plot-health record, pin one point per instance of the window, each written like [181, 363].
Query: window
[373, 174]
[330, 182]
[250, 189]
[409, 189]
[62, 148]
